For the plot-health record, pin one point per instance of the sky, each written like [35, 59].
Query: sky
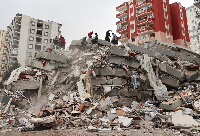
[78, 17]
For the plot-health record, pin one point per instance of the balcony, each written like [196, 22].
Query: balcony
[38, 47]
[38, 35]
[145, 12]
[15, 46]
[122, 7]
[40, 21]
[145, 21]
[15, 38]
[123, 39]
[121, 15]
[143, 3]
[17, 30]
[17, 22]
[39, 28]
[122, 22]
[146, 30]
[197, 3]
[123, 30]
[13, 55]
[38, 40]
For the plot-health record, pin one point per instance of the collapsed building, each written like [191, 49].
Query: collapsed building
[93, 80]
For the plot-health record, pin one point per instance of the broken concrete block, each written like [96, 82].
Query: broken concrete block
[131, 63]
[117, 81]
[38, 64]
[24, 85]
[184, 121]
[111, 117]
[51, 56]
[51, 97]
[171, 71]
[169, 81]
[117, 51]
[125, 121]
[171, 104]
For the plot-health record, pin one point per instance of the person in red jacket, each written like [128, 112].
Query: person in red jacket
[90, 34]
[62, 42]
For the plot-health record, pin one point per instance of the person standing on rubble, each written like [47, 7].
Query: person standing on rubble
[95, 40]
[107, 38]
[90, 34]
[84, 43]
[55, 41]
[114, 39]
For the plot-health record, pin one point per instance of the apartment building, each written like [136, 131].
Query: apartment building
[193, 19]
[197, 3]
[179, 25]
[27, 36]
[2, 52]
[141, 21]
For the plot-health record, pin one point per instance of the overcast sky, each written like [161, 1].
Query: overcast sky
[78, 17]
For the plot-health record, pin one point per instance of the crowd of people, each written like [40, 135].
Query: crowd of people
[107, 37]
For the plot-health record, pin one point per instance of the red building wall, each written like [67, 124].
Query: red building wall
[176, 21]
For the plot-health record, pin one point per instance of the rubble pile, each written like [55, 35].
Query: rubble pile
[105, 87]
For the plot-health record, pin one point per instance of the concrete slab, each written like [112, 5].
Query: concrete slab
[169, 81]
[171, 104]
[117, 51]
[24, 85]
[38, 64]
[51, 56]
[184, 121]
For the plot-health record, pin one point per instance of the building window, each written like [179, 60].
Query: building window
[31, 38]
[131, 6]
[132, 22]
[32, 31]
[152, 35]
[46, 26]
[168, 36]
[45, 33]
[165, 9]
[132, 14]
[29, 54]
[132, 30]
[46, 41]
[32, 23]
[30, 46]
[166, 26]
[181, 18]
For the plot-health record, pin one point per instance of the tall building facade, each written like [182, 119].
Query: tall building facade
[193, 19]
[197, 3]
[141, 21]
[179, 25]
[3, 45]
[27, 36]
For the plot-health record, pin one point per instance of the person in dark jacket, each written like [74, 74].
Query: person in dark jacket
[107, 38]
[95, 40]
